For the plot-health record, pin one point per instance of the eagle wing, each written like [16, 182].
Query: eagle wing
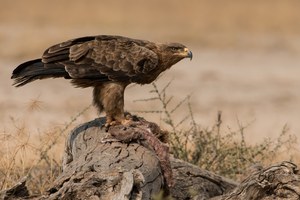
[104, 58]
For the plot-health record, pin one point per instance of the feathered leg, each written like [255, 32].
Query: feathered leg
[110, 98]
[97, 98]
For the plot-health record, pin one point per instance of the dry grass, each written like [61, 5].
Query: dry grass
[22, 157]
[37, 157]
[224, 151]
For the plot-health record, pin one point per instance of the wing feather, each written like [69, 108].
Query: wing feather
[104, 58]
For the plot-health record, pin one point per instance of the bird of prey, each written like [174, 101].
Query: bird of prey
[105, 62]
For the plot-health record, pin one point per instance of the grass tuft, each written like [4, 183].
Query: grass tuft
[35, 156]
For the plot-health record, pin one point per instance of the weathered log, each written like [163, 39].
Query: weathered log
[18, 191]
[126, 170]
[94, 167]
[97, 165]
[191, 182]
[280, 181]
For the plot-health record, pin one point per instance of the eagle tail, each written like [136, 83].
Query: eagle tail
[36, 69]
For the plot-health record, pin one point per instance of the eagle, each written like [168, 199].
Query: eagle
[107, 63]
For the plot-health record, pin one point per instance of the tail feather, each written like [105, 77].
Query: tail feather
[36, 69]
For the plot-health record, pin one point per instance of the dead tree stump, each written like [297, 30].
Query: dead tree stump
[95, 169]
[96, 166]
[124, 170]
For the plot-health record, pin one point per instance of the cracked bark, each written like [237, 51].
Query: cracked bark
[93, 169]
[280, 181]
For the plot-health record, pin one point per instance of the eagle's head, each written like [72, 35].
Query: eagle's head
[172, 53]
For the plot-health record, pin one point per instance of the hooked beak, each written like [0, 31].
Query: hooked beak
[189, 54]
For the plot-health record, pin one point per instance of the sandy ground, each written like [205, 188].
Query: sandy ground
[257, 88]
[250, 74]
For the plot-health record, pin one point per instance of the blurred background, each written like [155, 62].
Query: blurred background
[246, 59]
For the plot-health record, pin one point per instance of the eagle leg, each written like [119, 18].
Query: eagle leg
[125, 120]
[114, 120]
[128, 120]
[109, 97]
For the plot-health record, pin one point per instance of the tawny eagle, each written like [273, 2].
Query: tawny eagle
[107, 63]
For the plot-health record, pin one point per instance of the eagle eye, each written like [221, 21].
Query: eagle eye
[174, 48]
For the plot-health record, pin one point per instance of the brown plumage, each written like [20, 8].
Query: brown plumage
[107, 63]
